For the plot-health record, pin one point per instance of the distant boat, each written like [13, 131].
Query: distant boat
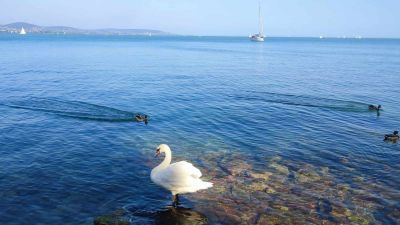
[260, 36]
[22, 32]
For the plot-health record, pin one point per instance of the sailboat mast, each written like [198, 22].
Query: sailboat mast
[260, 36]
[260, 24]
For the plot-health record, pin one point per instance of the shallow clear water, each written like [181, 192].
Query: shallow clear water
[69, 151]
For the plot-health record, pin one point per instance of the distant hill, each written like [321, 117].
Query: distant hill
[32, 28]
[18, 25]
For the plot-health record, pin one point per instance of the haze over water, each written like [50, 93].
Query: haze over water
[293, 107]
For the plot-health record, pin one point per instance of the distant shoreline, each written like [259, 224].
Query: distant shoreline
[190, 36]
[14, 28]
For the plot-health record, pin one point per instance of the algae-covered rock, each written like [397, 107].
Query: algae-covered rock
[338, 212]
[270, 190]
[358, 179]
[238, 168]
[342, 189]
[280, 168]
[240, 193]
[264, 176]
[303, 194]
[355, 218]
[258, 186]
[114, 219]
[324, 170]
[283, 208]
[267, 220]
[219, 188]
[306, 176]
[276, 158]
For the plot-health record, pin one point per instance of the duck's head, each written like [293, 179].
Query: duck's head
[396, 132]
[162, 148]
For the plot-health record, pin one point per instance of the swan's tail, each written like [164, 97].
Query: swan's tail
[205, 185]
[196, 186]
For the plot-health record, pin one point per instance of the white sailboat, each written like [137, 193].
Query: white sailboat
[23, 32]
[260, 36]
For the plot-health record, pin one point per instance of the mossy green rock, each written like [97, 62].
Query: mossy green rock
[306, 176]
[264, 176]
[280, 168]
[356, 219]
[276, 158]
[284, 208]
[110, 220]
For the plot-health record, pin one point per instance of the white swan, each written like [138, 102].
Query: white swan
[179, 178]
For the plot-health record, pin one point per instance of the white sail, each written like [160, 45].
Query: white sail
[22, 31]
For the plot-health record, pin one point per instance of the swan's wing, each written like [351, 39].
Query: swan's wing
[180, 174]
[185, 169]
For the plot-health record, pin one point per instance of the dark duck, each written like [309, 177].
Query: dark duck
[374, 108]
[392, 137]
[141, 118]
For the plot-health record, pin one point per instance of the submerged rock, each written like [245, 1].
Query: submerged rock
[270, 190]
[265, 219]
[342, 189]
[180, 215]
[358, 179]
[271, 193]
[356, 219]
[116, 218]
[276, 158]
[258, 186]
[239, 168]
[324, 170]
[280, 168]
[264, 176]
[306, 175]
[284, 208]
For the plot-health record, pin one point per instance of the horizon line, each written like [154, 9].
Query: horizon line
[218, 35]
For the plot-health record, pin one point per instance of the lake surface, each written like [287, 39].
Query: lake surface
[282, 128]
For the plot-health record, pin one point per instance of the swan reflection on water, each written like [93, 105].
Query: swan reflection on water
[179, 215]
[169, 216]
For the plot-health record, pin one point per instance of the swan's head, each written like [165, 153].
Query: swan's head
[162, 148]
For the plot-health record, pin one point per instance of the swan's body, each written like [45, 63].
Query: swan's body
[179, 178]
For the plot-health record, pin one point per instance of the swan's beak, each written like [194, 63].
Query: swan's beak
[157, 153]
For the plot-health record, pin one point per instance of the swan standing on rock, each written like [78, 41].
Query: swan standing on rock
[179, 178]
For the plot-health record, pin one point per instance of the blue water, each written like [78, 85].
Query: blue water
[70, 150]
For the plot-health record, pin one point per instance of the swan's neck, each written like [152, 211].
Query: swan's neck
[165, 163]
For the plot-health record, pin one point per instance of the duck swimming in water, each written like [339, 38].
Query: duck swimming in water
[374, 108]
[392, 137]
[142, 118]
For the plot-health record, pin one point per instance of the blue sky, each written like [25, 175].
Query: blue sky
[368, 18]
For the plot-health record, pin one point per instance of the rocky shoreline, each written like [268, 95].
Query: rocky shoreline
[282, 193]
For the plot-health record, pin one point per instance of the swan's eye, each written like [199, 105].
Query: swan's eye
[157, 152]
